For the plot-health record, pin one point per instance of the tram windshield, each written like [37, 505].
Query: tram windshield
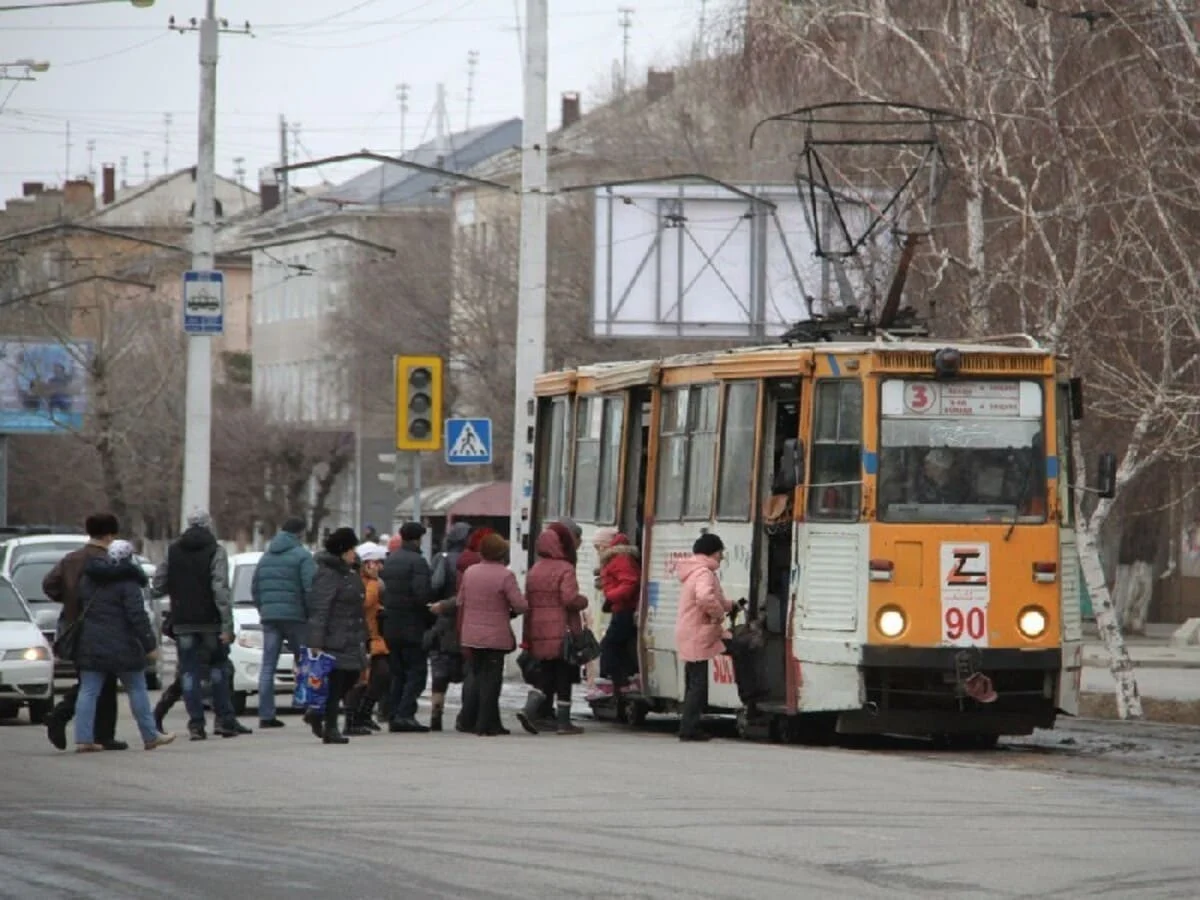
[962, 451]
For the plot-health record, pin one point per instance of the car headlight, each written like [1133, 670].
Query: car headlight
[1032, 621]
[891, 621]
[29, 654]
[250, 639]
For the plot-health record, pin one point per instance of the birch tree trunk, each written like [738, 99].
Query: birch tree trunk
[1087, 529]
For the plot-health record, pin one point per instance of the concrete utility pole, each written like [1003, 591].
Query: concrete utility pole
[440, 127]
[531, 286]
[626, 22]
[197, 441]
[284, 188]
[402, 96]
[472, 67]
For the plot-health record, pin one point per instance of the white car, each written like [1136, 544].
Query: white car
[246, 652]
[26, 660]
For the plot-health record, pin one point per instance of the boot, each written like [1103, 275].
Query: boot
[564, 721]
[438, 702]
[354, 725]
[333, 736]
[529, 714]
[363, 717]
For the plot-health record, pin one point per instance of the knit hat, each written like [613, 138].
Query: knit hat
[412, 531]
[603, 538]
[394, 543]
[494, 548]
[708, 545]
[119, 551]
[294, 525]
[199, 518]
[340, 541]
[370, 552]
[572, 527]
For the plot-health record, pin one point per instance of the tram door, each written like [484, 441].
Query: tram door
[781, 422]
[637, 459]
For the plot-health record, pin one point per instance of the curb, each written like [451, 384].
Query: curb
[1102, 662]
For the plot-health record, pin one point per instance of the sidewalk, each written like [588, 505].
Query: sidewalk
[1150, 651]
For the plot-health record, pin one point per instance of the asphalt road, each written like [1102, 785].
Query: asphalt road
[611, 814]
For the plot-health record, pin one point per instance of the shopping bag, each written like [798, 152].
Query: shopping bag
[312, 680]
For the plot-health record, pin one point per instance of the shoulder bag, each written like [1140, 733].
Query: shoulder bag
[66, 645]
[580, 649]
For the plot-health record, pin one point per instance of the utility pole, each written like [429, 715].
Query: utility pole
[531, 284]
[402, 96]
[145, 166]
[124, 171]
[296, 140]
[284, 189]
[67, 174]
[167, 120]
[440, 117]
[626, 23]
[91, 169]
[472, 66]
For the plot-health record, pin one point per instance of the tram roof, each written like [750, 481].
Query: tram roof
[631, 372]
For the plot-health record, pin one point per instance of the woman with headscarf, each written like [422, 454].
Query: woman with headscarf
[336, 626]
[555, 603]
[699, 628]
[115, 638]
[374, 681]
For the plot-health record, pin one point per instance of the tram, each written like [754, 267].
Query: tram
[897, 515]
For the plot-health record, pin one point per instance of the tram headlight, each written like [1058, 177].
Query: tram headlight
[1032, 621]
[891, 621]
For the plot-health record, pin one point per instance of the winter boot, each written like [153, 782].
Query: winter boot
[315, 719]
[564, 721]
[363, 716]
[331, 735]
[438, 703]
[528, 716]
[354, 725]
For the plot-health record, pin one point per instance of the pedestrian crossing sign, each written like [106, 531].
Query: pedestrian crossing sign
[468, 442]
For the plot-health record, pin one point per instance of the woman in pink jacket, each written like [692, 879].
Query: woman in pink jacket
[552, 593]
[699, 628]
[488, 598]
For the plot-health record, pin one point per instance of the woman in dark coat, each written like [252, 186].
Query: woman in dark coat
[336, 625]
[115, 638]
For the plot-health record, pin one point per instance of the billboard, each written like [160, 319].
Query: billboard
[43, 385]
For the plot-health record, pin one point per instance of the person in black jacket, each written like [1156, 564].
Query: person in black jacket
[115, 638]
[406, 618]
[335, 624]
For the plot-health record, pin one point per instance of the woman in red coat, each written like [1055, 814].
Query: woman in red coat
[621, 582]
[554, 601]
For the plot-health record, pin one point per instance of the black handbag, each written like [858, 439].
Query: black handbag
[66, 645]
[580, 649]
[531, 669]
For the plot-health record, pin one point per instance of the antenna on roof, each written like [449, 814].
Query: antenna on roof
[472, 66]
[402, 96]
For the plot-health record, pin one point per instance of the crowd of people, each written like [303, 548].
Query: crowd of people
[385, 615]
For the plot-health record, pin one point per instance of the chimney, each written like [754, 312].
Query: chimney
[268, 190]
[108, 174]
[659, 84]
[79, 195]
[32, 188]
[571, 110]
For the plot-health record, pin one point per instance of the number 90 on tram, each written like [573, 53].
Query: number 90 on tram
[898, 516]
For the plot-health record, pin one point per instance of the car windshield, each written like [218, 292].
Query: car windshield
[11, 608]
[27, 577]
[240, 586]
[64, 547]
[967, 451]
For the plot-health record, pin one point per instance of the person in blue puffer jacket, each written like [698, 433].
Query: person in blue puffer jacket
[281, 580]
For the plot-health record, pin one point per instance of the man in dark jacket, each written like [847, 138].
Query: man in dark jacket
[195, 575]
[445, 655]
[62, 586]
[406, 618]
[282, 578]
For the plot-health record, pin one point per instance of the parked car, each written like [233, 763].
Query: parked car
[26, 661]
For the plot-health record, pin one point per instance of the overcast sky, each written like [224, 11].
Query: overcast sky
[331, 65]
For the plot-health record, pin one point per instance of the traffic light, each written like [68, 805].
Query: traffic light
[418, 403]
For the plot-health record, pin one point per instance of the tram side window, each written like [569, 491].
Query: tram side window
[687, 454]
[597, 459]
[554, 446]
[1066, 456]
[835, 489]
[735, 493]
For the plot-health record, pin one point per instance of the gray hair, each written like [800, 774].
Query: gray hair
[199, 518]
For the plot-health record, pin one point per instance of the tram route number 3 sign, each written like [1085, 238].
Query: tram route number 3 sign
[966, 589]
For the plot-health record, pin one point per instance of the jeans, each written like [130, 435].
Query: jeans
[91, 684]
[197, 653]
[695, 697]
[481, 692]
[410, 670]
[105, 727]
[275, 635]
[618, 648]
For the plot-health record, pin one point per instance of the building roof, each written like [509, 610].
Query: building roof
[132, 196]
[479, 500]
[389, 187]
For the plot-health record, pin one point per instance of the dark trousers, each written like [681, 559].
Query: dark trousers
[695, 697]
[557, 677]
[106, 708]
[372, 690]
[618, 648]
[410, 670]
[341, 682]
[481, 692]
